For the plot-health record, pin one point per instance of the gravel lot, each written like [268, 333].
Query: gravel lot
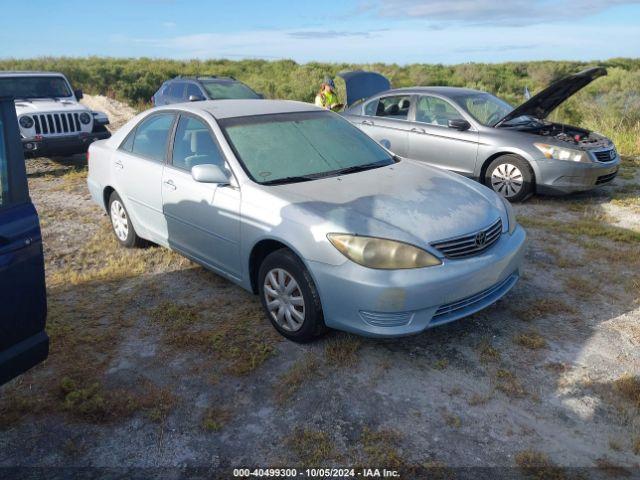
[156, 362]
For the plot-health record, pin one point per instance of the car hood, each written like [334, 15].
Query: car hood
[407, 201]
[542, 104]
[47, 105]
[361, 85]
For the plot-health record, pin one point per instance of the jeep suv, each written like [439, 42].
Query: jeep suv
[52, 120]
[193, 89]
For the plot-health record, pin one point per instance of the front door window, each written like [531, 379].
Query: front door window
[436, 111]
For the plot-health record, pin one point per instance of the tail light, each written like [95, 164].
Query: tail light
[88, 156]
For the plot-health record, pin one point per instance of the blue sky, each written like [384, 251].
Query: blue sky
[363, 31]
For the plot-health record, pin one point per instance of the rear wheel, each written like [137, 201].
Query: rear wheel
[121, 224]
[511, 177]
[289, 297]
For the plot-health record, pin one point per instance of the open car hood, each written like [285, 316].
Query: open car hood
[361, 85]
[542, 104]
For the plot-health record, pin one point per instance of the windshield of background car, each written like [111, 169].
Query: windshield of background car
[34, 87]
[290, 145]
[485, 108]
[222, 89]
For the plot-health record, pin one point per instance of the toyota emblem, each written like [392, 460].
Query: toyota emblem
[481, 239]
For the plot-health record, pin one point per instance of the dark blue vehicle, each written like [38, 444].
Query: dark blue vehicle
[193, 89]
[23, 305]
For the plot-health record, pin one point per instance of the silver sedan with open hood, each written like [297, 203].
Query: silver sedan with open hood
[514, 151]
[294, 203]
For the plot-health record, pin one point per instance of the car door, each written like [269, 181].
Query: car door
[386, 120]
[23, 340]
[137, 168]
[203, 219]
[434, 142]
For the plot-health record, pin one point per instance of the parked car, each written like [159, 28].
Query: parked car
[195, 89]
[23, 340]
[52, 120]
[514, 151]
[294, 203]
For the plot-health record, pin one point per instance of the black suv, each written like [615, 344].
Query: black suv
[193, 89]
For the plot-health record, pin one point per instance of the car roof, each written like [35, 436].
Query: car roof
[28, 73]
[242, 107]
[444, 91]
[203, 78]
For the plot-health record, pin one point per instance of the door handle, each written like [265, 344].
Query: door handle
[118, 164]
[367, 122]
[170, 185]
[418, 130]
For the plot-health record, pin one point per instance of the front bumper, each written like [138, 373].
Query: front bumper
[60, 146]
[383, 303]
[560, 177]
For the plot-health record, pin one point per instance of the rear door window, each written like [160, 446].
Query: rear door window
[151, 137]
[396, 107]
[194, 145]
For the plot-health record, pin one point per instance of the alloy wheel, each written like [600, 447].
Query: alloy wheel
[507, 180]
[284, 299]
[119, 220]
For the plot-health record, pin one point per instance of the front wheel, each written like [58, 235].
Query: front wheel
[511, 177]
[289, 297]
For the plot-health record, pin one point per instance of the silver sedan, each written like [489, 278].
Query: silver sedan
[514, 151]
[297, 205]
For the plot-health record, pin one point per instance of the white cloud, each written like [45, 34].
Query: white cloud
[491, 12]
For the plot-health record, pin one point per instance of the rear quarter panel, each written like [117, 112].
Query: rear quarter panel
[99, 176]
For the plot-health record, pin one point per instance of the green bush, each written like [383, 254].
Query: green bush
[610, 105]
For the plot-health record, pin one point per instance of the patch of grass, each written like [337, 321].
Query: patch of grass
[611, 469]
[441, 364]
[341, 350]
[531, 340]
[636, 446]
[451, 419]
[92, 402]
[215, 418]
[629, 388]
[583, 227]
[477, 399]
[536, 308]
[538, 466]
[508, 383]
[313, 447]
[382, 448]
[556, 367]
[615, 445]
[300, 373]
[488, 353]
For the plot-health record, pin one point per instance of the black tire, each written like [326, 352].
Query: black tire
[131, 240]
[312, 326]
[522, 172]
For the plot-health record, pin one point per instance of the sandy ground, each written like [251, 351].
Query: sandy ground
[156, 362]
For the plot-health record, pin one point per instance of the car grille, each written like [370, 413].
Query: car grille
[606, 178]
[605, 155]
[56, 123]
[471, 244]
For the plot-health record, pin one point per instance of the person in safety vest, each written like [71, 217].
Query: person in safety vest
[327, 97]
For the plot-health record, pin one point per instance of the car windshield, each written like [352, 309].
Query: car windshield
[226, 89]
[485, 108]
[34, 87]
[295, 147]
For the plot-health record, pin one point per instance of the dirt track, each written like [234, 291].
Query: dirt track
[157, 362]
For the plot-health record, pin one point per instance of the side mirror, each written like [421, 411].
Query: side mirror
[195, 98]
[207, 173]
[78, 94]
[385, 143]
[459, 124]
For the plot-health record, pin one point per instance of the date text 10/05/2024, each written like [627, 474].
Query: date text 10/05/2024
[316, 473]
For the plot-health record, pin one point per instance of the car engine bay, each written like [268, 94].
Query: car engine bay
[582, 138]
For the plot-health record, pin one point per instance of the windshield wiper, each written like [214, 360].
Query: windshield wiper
[293, 179]
[356, 168]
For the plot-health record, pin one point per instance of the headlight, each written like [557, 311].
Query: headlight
[560, 153]
[380, 253]
[511, 215]
[85, 118]
[26, 122]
